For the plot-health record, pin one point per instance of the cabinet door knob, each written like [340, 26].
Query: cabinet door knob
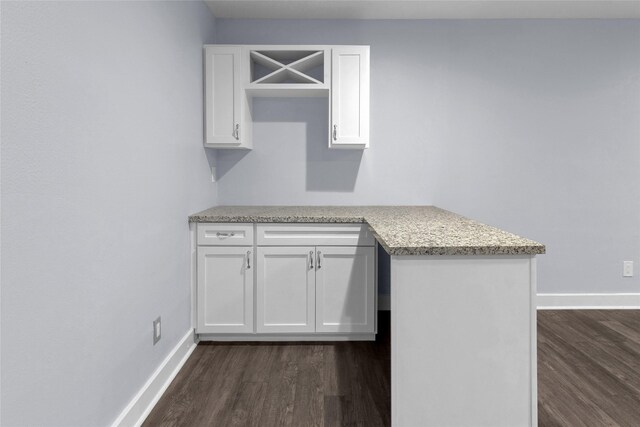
[311, 260]
[236, 133]
[248, 259]
[319, 258]
[335, 132]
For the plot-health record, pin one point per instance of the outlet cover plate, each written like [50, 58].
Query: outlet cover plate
[157, 330]
[627, 269]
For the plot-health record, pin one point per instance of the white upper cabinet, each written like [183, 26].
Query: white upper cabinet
[349, 126]
[236, 74]
[228, 114]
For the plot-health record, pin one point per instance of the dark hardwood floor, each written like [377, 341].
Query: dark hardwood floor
[282, 384]
[589, 368]
[588, 375]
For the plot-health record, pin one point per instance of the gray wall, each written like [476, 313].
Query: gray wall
[532, 126]
[102, 162]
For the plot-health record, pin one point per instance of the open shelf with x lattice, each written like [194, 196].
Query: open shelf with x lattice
[301, 72]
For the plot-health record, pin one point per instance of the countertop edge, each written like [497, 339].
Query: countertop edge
[465, 250]
[514, 250]
[277, 219]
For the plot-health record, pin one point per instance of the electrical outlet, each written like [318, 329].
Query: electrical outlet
[627, 269]
[213, 174]
[157, 331]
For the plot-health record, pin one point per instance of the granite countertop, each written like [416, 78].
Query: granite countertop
[401, 230]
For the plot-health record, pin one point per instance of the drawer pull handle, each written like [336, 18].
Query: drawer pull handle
[318, 263]
[248, 259]
[221, 235]
[311, 259]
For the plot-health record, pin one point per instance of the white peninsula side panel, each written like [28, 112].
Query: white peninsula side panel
[463, 341]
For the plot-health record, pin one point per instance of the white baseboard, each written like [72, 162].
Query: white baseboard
[623, 301]
[284, 338]
[588, 301]
[143, 402]
[384, 302]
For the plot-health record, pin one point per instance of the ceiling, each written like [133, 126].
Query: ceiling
[423, 9]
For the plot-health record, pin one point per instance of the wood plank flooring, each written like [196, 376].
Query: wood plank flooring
[589, 368]
[282, 384]
[588, 375]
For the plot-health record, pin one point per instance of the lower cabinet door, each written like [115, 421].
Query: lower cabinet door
[285, 290]
[225, 289]
[345, 286]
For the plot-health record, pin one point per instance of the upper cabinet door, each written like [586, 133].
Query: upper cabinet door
[226, 105]
[349, 126]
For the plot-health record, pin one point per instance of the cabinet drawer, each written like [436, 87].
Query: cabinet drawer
[314, 235]
[225, 234]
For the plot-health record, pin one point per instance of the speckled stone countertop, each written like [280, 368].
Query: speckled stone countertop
[401, 230]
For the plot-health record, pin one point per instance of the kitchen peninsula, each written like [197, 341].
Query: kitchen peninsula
[463, 317]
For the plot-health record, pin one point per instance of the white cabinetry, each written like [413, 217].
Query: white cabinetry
[288, 71]
[309, 281]
[228, 113]
[286, 290]
[236, 74]
[323, 289]
[349, 97]
[345, 286]
[224, 280]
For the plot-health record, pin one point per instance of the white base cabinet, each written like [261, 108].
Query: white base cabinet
[225, 289]
[345, 288]
[294, 281]
[315, 289]
[285, 290]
